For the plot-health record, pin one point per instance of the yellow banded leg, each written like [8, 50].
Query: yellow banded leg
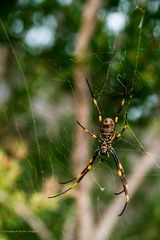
[85, 170]
[125, 125]
[119, 110]
[87, 131]
[78, 179]
[125, 186]
[95, 102]
[97, 107]
[122, 178]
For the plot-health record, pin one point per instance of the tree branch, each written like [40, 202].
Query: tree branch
[80, 152]
[23, 211]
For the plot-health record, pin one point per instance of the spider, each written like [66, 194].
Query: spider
[107, 136]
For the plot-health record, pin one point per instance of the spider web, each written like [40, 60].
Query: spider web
[131, 141]
[49, 123]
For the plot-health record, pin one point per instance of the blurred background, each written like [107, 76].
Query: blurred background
[47, 50]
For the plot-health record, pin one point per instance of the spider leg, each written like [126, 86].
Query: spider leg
[87, 131]
[78, 179]
[95, 101]
[71, 180]
[117, 193]
[119, 110]
[123, 179]
[93, 136]
[125, 125]
[59, 194]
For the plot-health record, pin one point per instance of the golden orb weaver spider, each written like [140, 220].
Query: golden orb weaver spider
[108, 134]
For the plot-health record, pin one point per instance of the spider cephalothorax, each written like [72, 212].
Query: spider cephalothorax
[107, 134]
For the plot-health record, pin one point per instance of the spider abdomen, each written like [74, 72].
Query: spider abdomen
[107, 132]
